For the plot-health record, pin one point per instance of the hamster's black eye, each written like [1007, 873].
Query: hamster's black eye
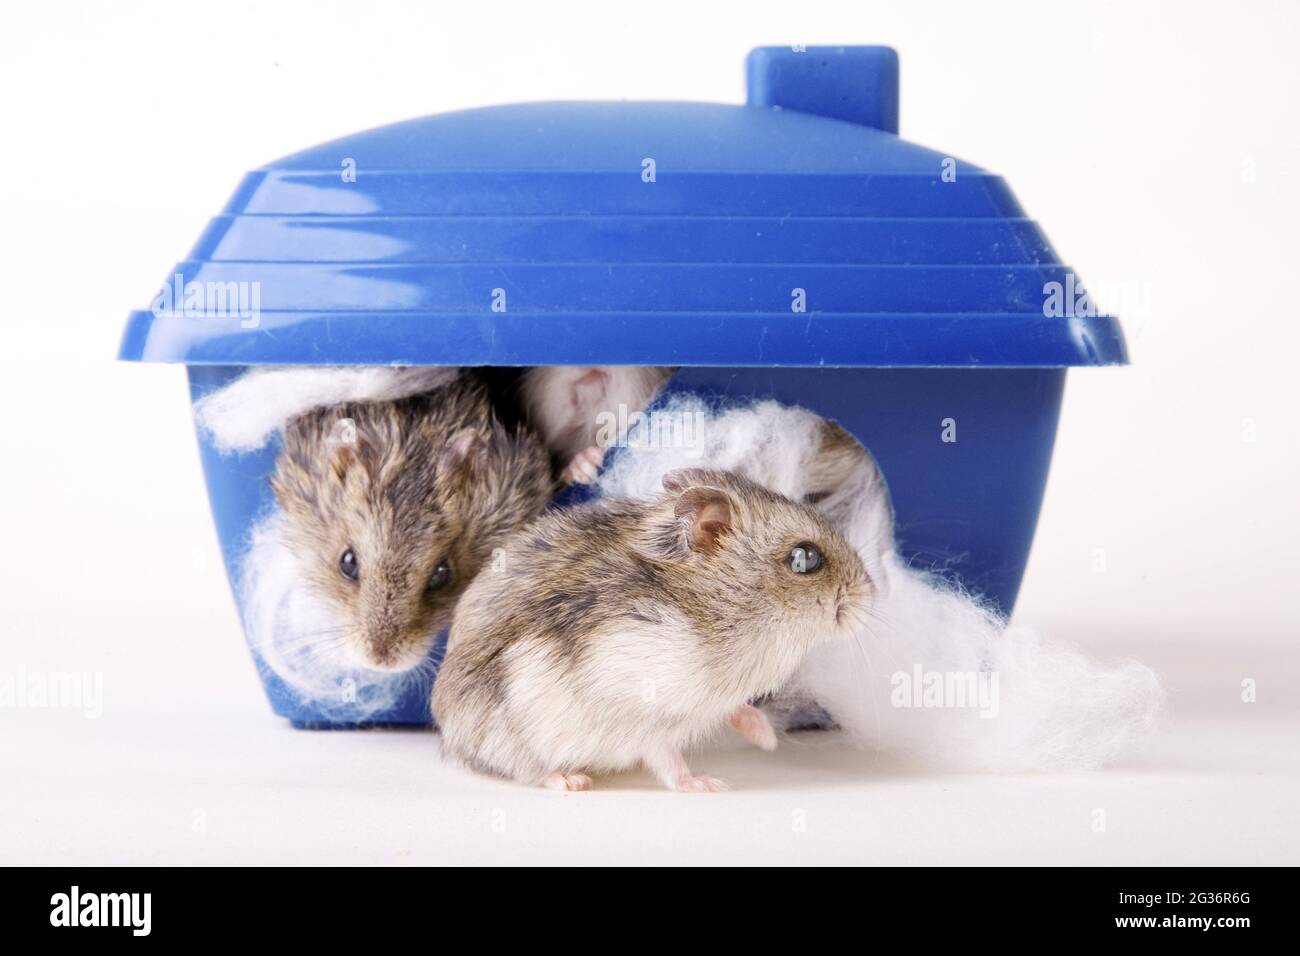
[348, 565]
[441, 576]
[805, 558]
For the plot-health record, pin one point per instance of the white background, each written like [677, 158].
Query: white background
[1157, 144]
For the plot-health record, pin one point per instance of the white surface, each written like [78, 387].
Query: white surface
[1159, 155]
[187, 766]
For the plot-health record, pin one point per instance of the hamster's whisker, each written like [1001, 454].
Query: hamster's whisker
[875, 704]
[318, 640]
[862, 651]
[326, 647]
[323, 632]
[424, 671]
[878, 614]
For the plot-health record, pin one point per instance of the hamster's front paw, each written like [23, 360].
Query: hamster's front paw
[755, 726]
[567, 781]
[699, 783]
[584, 466]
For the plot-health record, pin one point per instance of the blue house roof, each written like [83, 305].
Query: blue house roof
[796, 230]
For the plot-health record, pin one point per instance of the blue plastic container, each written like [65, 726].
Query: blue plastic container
[792, 248]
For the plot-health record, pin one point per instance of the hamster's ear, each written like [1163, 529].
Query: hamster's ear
[344, 444]
[706, 515]
[341, 460]
[683, 478]
[835, 438]
[464, 450]
[839, 459]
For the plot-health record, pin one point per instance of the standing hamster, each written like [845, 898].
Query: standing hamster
[394, 506]
[625, 632]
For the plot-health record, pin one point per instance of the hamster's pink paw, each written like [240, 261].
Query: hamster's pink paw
[667, 764]
[755, 726]
[584, 466]
[699, 783]
[567, 781]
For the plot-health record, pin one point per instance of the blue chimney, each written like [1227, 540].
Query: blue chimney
[858, 84]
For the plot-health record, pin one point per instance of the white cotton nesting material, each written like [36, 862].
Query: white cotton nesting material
[297, 637]
[936, 678]
[244, 415]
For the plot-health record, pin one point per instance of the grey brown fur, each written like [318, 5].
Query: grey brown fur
[431, 478]
[622, 632]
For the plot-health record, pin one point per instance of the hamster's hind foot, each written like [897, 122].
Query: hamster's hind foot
[753, 724]
[699, 783]
[671, 769]
[566, 781]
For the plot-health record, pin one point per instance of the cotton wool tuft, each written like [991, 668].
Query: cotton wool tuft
[244, 415]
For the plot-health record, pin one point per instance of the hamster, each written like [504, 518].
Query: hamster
[393, 507]
[624, 632]
[793, 452]
[580, 411]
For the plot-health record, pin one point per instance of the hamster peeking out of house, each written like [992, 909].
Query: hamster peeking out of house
[392, 520]
[394, 487]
